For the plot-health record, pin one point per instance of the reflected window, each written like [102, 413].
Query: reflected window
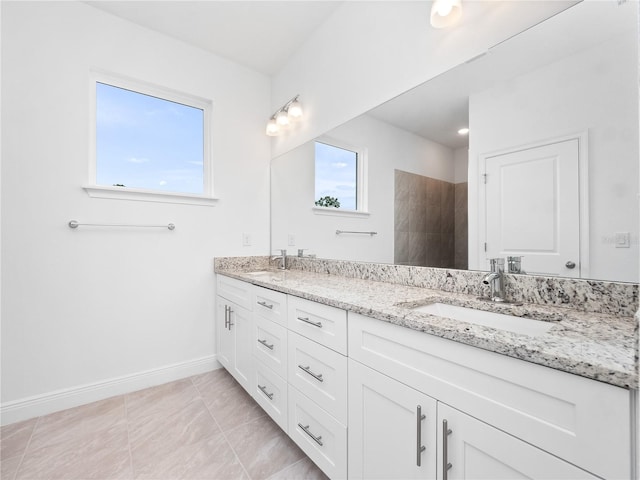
[337, 176]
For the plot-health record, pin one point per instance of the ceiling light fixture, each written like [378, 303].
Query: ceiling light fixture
[445, 13]
[289, 113]
[463, 131]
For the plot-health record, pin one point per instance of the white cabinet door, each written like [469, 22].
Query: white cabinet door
[225, 337]
[475, 450]
[388, 437]
[234, 328]
[242, 326]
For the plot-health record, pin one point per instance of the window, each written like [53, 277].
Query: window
[150, 143]
[339, 177]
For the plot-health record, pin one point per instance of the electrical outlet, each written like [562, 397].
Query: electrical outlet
[291, 240]
[622, 239]
[246, 239]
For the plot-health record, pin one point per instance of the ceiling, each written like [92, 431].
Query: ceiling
[261, 35]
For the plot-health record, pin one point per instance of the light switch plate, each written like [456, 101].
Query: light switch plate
[622, 239]
[291, 240]
[246, 239]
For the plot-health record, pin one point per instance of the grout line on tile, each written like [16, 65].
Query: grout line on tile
[221, 431]
[126, 418]
[287, 467]
[26, 448]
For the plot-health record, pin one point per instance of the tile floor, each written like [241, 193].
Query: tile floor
[202, 427]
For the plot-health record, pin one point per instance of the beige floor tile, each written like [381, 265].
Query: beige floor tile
[263, 448]
[9, 467]
[211, 383]
[209, 459]
[69, 425]
[99, 455]
[232, 406]
[15, 438]
[162, 432]
[171, 395]
[305, 469]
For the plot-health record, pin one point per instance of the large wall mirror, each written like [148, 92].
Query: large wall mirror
[548, 170]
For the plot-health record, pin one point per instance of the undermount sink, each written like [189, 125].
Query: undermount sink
[511, 323]
[267, 275]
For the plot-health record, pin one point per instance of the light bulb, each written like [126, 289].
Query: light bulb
[272, 128]
[445, 13]
[282, 119]
[444, 8]
[295, 110]
[463, 131]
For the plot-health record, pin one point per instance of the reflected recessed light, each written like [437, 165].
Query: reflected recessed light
[463, 131]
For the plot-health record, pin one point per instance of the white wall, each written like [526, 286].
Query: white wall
[82, 307]
[388, 148]
[595, 91]
[461, 165]
[368, 52]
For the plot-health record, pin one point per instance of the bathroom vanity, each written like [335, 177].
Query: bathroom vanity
[370, 385]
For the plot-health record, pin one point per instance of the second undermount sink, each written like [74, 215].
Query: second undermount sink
[511, 323]
[267, 275]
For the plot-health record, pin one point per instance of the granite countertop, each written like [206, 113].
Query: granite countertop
[597, 346]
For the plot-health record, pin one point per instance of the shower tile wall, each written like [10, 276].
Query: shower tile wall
[424, 219]
[461, 227]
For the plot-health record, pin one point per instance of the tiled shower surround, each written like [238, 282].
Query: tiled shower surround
[430, 222]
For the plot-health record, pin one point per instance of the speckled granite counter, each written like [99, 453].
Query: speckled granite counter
[600, 346]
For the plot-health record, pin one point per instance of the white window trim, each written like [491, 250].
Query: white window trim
[362, 190]
[127, 193]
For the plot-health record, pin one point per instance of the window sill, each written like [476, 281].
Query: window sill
[335, 212]
[120, 193]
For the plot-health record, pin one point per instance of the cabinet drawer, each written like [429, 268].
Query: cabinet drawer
[235, 291]
[583, 421]
[270, 391]
[318, 434]
[270, 345]
[319, 373]
[321, 323]
[270, 304]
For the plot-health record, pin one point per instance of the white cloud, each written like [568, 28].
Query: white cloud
[163, 182]
[339, 164]
[137, 160]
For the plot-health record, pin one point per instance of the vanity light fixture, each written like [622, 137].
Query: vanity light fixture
[463, 131]
[445, 13]
[289, 113]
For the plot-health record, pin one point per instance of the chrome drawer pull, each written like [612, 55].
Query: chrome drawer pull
[264, 390]
[317, 439]
[306, 320]
[419, 447]
[446, 431]
[307, 369]
[266, 305]
[264, 342]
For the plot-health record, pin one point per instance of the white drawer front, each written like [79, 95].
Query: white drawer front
[583, 421]
[235, 291]
[318, 434]
[270, 304]
[270, 345]
[270, 391]
[321, 323]
[319, 373]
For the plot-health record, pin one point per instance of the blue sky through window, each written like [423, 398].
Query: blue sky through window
[147, 142]
[336, 174]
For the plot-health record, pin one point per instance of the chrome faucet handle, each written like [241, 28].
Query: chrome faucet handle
[497, 264]
[514, 264]
[301, 252]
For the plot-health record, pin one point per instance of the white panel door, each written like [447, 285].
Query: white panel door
[387, 430]
[533, 208]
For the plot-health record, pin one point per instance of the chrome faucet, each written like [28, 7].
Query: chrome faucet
[495, 279]
[283, 259]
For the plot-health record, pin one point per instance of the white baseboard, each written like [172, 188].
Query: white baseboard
[18, 410]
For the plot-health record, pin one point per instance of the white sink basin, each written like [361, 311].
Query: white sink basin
[525, 326]
[267, 275]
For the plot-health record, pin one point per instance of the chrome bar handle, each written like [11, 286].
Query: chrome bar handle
[230, 323]
[446, 431]
[310, 322]
[266, 344]
[226, 316]
[419, 447]
[307, 369]
[266, 305]
[264, 390]
[317, 439]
